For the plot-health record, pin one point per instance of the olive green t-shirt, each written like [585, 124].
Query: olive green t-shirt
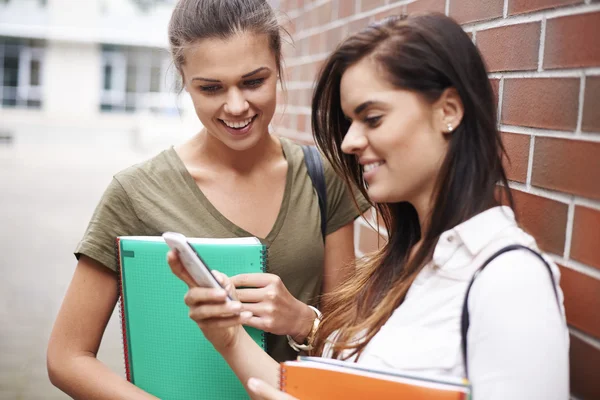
[160, 195]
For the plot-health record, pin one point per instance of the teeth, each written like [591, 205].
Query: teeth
[238, 125]
[372, 166]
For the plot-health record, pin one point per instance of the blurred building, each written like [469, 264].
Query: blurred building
[72, 70]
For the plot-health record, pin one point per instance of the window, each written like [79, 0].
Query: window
[136, 79]
[21, 63]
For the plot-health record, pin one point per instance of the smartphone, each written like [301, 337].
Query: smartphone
[192, 261]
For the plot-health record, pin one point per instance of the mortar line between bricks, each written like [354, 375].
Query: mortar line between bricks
[500, 101]
[581, 105]
[576, 266]
[542, 45]
[530, 161]
[592, 341]
[355, 17]
[587, 137]
[587, 203]
[580, 9]
[558, 73]
[505, 9]
[447, 8]
[545, 193]
[569, 232]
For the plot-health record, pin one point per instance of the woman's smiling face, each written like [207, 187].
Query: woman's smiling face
[233, 85]
[395, 134]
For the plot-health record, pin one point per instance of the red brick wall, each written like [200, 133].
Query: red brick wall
[543, 58]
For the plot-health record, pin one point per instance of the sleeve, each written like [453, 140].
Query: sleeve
[518, 342]
[114, 216]
[343, 205]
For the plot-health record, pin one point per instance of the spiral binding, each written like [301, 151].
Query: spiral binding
[122, 309]
[282, 378]
[264, 262]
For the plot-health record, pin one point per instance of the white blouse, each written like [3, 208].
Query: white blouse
[517, 341]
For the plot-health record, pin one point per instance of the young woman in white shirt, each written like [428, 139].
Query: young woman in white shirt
[409, 104]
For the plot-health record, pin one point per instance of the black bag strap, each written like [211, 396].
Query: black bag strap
[465, 309]
[314, 165]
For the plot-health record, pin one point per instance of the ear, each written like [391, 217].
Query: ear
[449, 111]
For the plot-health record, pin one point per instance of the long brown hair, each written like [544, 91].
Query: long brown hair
[425, 54]
[194, 20]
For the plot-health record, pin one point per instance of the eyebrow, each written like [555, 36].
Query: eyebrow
[363, 106]
[249, 74]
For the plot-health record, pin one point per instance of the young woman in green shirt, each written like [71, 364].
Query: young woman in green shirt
[232, 179]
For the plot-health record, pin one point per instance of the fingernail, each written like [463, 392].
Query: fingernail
[253, 384]
[246, 314]
[236, 305]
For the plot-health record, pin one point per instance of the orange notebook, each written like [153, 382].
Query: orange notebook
[312, 378]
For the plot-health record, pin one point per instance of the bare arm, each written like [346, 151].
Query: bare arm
[77, 333]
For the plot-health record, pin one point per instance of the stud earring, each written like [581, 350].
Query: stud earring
[450, 128]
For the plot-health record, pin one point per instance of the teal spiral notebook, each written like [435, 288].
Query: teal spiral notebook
[165, 352]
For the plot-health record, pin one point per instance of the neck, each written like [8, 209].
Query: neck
[216, 153]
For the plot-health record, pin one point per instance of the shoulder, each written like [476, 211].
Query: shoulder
[156, 166]
[518, 277]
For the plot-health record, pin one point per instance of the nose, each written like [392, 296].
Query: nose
[355, 141]
[236, 103]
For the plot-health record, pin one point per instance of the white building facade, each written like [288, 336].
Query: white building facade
[75, 69]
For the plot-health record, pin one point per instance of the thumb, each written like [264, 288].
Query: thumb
[179, 270]
[225, 283]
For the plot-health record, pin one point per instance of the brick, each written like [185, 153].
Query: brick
[517, 147]
[584, 364]
[533, 213]
[425, 6]
[324, 13]
[582, 300]
[345, 8]
[464, 11]
[303, 124]
[368, 239]
[316, 44]
[550, 103]
[572, 41]
[586, 239]
[591, 105]
[333, 37]
[367, 5]
[571, 166]
[510, 48]
[525, 6]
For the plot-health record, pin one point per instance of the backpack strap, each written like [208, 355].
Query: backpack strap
[465, 309]
[316, 172]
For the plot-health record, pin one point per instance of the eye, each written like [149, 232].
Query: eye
[209, 89]
[373, 121]
[254, 82]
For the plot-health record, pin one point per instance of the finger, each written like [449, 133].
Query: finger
[179, 270]
[259, 309]
[200, 295]
[253, 280]
[211, 311]
[225, 283]
[254, 295]
[262, 390]
[223, 323]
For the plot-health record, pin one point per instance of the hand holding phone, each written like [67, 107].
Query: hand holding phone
[192, 261]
